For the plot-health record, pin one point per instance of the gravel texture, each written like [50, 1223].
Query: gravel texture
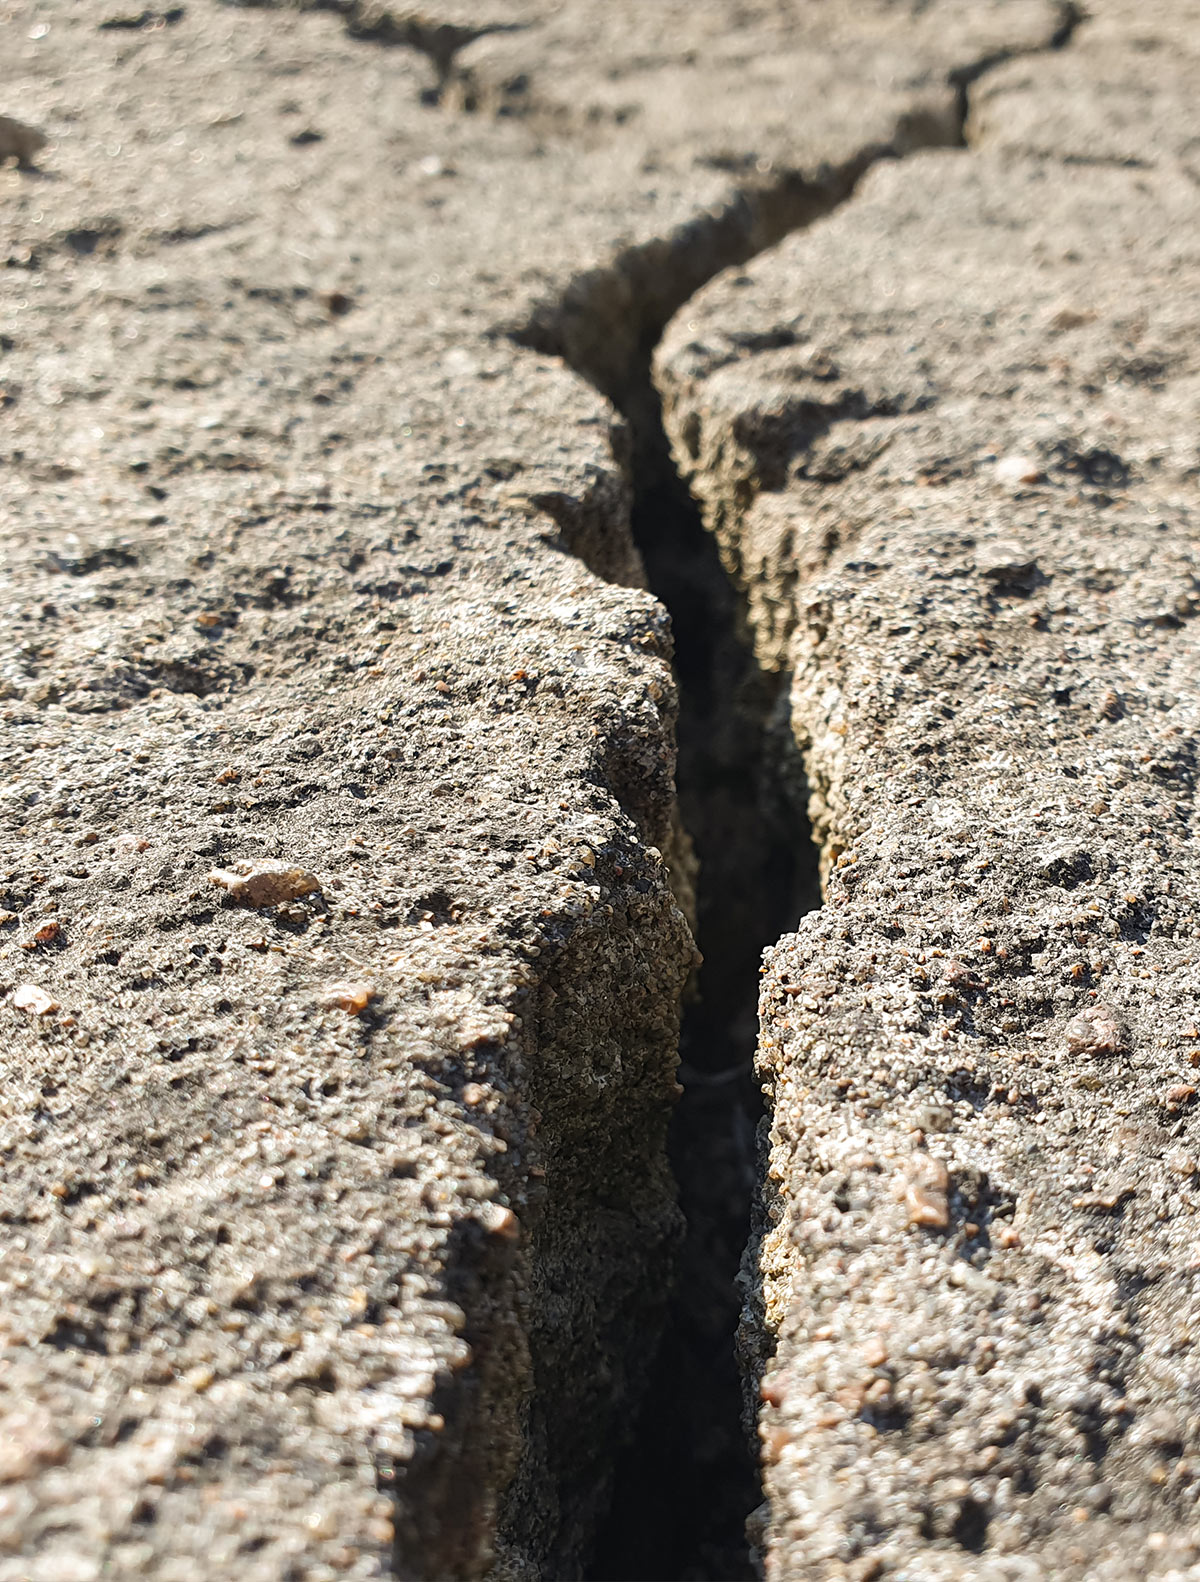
[340, 955]
[947, 440]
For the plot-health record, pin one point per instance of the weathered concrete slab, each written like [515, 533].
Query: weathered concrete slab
[281, 589]
[947, 440]
[334, 1230]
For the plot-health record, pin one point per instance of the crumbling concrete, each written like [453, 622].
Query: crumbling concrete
[947, 442]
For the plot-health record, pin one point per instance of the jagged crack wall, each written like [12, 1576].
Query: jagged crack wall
[974, 1254]
[689, 1482]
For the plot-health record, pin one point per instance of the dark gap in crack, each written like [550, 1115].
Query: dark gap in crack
[1071, 17]
[688, 1480]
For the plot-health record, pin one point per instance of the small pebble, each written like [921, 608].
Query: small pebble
[1180, 1096]
[959, 976]
[875, 1353]
[924, 1189]
[771, 1391]
[1016, 469]
[34, 1000]
[1095, 1031]
[352, 998]
[264, 884]
[500, 1221]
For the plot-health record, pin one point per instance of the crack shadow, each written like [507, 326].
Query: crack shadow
[688, 1481]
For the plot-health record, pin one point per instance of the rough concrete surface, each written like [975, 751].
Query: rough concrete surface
[342, 887]
[947, 440]
[307, 1207]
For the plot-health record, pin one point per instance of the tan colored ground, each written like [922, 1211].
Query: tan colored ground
[336, 1226]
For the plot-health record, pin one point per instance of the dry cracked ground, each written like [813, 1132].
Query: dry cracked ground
[494, 497]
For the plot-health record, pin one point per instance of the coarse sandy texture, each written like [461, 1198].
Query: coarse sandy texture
[335, 1227]
[262, 1253]
[947, 441]
[289, 1275]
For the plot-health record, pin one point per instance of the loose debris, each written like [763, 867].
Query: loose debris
[924, 1186]
[352, 998]
[37, 1002]
[1095, 1031]
[264, 884]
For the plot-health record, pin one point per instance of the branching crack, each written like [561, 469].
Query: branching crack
[440, 42]
[963, 78]
[608, 320]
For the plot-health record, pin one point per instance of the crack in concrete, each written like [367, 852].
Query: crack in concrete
[738, 771]
[438, 40]
[607, 321]
[962, 79]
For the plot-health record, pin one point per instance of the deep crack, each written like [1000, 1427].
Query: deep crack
[689, 1480]
[688, 1483]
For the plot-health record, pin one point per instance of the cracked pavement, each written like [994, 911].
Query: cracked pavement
[330, 1230]
[947, 440]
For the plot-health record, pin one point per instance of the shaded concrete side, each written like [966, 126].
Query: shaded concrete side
[285, 1185]
[947, 439]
